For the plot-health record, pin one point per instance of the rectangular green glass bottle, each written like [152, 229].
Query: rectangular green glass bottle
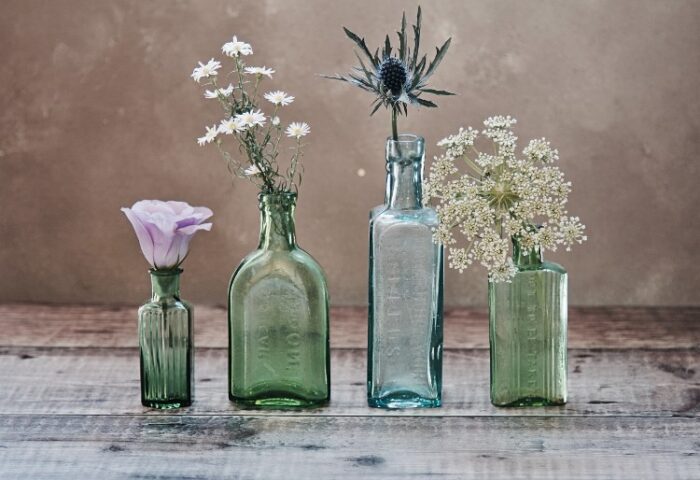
[528, 330]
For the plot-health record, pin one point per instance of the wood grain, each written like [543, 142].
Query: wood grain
[599, 327]
[311, 447]
[106, 381]
[69, 406]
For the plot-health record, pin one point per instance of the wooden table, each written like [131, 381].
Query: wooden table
[69, 406]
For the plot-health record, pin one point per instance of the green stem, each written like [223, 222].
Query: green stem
[394, 128]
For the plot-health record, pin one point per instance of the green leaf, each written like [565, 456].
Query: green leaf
[439, 55]
[379, 104]
[436, 92]
[360, 42]
[425, 103]
[416, 36]
[402, 38]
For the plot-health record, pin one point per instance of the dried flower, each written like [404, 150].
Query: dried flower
[501, 196]
[236, 48]
[398, 77]
[246, 123]
[298, 130]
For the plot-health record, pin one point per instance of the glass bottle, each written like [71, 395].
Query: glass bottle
[528, 327]
[404, 367]
[279, 354]
[166, 341]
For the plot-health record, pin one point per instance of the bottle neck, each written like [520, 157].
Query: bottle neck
[277, 230]
[529, 258]
[405, 159]
[165, 284]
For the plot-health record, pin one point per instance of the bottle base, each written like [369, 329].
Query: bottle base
[531, 402]
[278, 401]
[166, 404]
[401, 400]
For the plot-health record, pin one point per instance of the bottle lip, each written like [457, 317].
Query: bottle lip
[406, 138]
[165, 273]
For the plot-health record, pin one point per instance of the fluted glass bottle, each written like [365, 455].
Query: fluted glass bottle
[166, 341]
[279, 354]
[404, 367]
[528, 328]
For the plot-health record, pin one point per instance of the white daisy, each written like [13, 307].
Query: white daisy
[208, 137]
[279, 98]
[231, 125]
[251, 119]
[252, 170]
[205, 70]
[259, 71]
[298, 129]
[224, 92]
[275, 121]
[235, 48]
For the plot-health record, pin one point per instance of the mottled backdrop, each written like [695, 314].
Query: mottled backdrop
[97, 110]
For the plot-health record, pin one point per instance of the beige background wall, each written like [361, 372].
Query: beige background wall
[97, 111]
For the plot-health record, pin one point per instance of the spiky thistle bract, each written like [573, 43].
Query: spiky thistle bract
[397, 76]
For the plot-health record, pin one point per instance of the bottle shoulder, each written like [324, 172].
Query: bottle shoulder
[544, 267]
[293, 262]
[424, 216]
[168, 304]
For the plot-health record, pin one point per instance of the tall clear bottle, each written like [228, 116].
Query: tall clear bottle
[166, 344]
[528, 330]
[279, 355]
[404, 367]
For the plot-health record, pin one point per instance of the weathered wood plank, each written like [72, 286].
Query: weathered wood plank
[106, 381]
[218, 447]
[84, 326]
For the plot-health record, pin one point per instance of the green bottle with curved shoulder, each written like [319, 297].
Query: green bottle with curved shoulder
[279, 355]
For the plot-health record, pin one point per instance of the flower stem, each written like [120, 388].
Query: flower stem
[394, 128]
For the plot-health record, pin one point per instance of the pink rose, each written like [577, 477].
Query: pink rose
[164, 229]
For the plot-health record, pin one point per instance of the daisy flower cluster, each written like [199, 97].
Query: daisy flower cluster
[257, 136]
[486, 201]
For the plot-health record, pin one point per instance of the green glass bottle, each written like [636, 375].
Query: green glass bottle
[528, 328]
[279, 352]
[166, 342]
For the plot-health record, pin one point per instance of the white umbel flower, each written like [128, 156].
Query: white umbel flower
[298, 129]
[259, 71]
[275, 121]
[279, 98]
[219, 92]
[236, 48]
[229, 126]
[252, 170]
[205, 70]
[208, 137]
[251, 119]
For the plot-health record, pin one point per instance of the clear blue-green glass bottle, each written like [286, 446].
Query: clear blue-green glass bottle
[528, 330]
[404, 368]
[166, 344]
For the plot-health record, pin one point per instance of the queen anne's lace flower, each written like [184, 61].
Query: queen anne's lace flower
[501, 196]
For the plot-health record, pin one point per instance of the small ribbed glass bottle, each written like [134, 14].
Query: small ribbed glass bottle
[528, 329]
[166, 344]
[404, 367]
